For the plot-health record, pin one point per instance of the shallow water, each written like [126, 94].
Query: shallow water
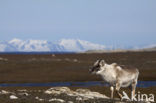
[142, 84]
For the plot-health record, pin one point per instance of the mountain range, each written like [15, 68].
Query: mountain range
[63, 45]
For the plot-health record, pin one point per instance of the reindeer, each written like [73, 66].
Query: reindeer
[117, 76]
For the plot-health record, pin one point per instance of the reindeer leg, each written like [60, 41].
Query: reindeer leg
[112, 91]
[133, 88]
[117, 90]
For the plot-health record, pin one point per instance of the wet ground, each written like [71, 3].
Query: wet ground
[57, 95]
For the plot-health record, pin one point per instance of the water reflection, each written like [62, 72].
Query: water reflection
[142, 84]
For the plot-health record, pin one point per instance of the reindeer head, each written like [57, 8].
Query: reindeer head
[98, 66]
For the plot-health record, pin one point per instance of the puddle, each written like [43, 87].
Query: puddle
[142, 84]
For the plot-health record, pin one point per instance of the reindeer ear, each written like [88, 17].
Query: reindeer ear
[114, 64]
[102, 63]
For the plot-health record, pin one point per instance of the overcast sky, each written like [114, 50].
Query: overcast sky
[109, 22]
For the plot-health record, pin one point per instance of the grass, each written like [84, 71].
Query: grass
[62, 67]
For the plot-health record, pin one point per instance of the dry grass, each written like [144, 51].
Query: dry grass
[69, 67]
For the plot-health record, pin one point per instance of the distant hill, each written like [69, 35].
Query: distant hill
[121, 50]
[149, 49]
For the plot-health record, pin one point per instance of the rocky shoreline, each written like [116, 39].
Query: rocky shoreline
[56, 95]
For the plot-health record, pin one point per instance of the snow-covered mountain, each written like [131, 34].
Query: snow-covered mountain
[79, 45]
[64, 45]
[35, 45]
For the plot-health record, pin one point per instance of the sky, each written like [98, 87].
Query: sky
[109, 22]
